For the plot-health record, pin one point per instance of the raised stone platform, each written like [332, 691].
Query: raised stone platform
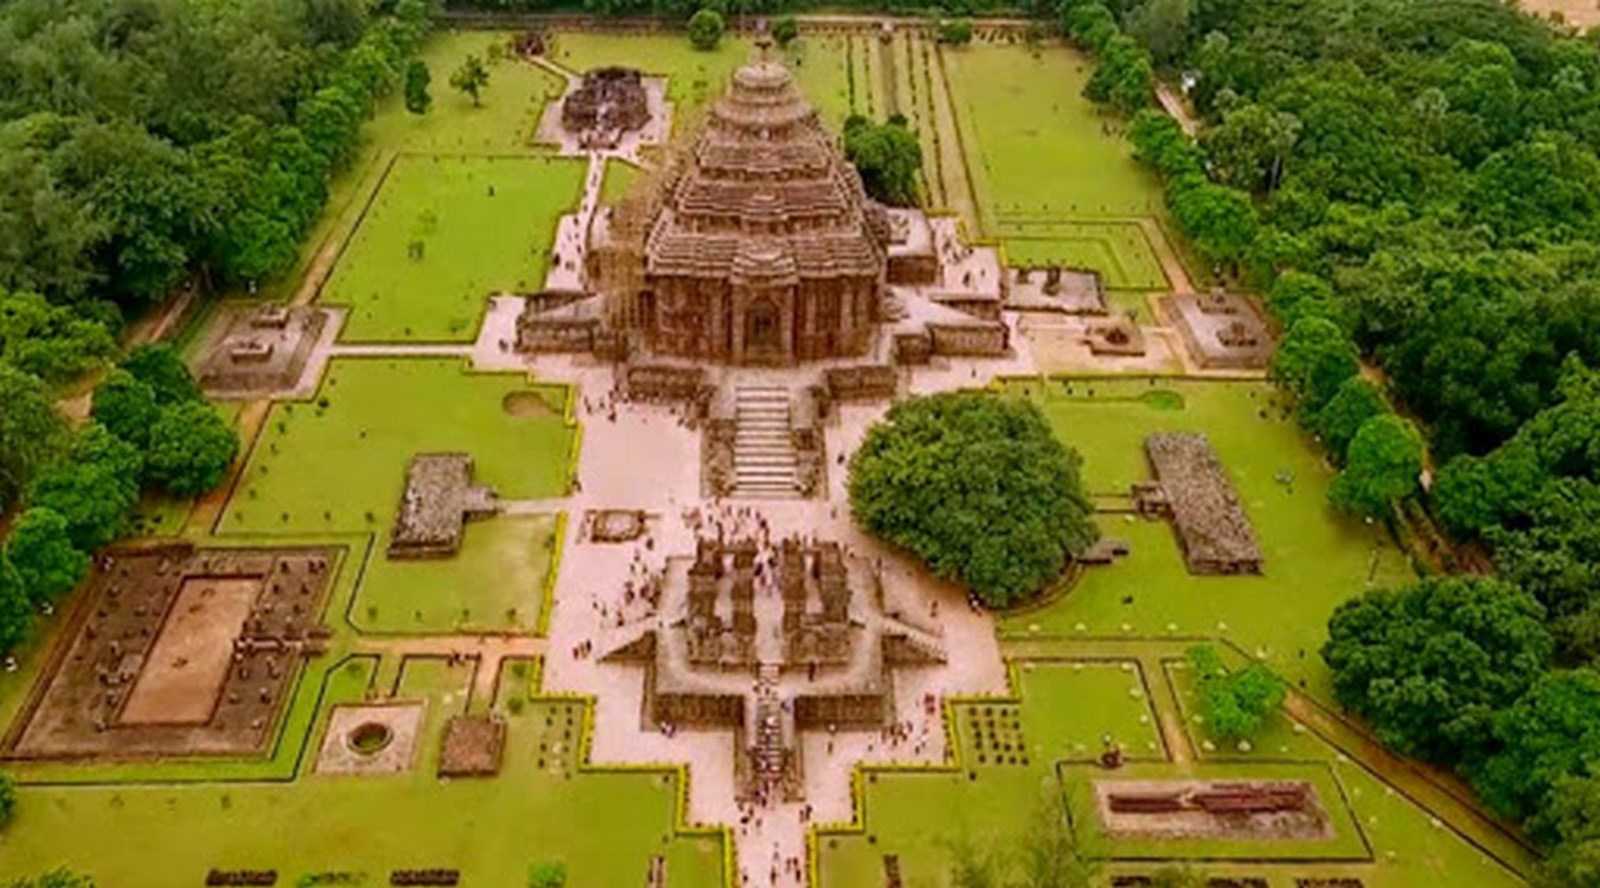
[1193, 489]
[438, 499]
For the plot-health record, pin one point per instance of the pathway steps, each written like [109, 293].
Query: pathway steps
[765, 465]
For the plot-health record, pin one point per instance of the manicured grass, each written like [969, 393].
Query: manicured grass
[620, 178]
[1036, 147]
[442, 235]
[492, 584]
[1314, 558]
[342, 467]
[503, 121]
[1106, 700]
[1118, 250]
[605, 826]
[836, 75]
[693, 77]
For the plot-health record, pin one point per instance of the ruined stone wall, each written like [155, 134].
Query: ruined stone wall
[846, 711]
[698, 710]
[970, 341]
[547, 336]
[863, 382]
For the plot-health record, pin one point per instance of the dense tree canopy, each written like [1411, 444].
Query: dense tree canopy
[43, 557]
[705, 29]
[1551, 732]
[887, 155]
[1430, 665]
[1382, 467]
[191, 448]
[31, 432]
[978, 487]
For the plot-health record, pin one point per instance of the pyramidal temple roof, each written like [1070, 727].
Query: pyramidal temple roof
[764, 192]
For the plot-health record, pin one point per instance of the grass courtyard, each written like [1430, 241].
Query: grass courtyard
[604, 826]
[1314, 558]
[441, 236]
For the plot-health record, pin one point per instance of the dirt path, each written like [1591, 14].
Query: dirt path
[207, 511]
[1171, 263]
[1178, 107]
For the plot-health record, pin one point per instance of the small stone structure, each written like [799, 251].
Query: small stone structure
[861, 382]
[1054, 288]
[260, 349]
[178, 651]
[913, 259]
[610, 101]
[473, 746]
[614, 525]
[1244, 809]
[370, 739]
[1119, 337]
[438, 499]
[665, 382]
[1192, 488]
[723, 659]
[1221, 331]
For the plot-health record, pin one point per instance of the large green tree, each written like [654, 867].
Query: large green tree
[1313, 360]
[978, 487]
[32, 433]
[1233, 702]
[94, 490]
[126, 406]
[45, 560]
[1431, 664]
[1381, 467]
[1353, 404]
[888, 157]
[191, 448]
[705, 29]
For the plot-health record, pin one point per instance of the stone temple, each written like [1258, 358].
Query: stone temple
[763, 247]
[756, 244]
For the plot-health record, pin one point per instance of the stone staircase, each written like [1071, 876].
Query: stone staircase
[764, 462]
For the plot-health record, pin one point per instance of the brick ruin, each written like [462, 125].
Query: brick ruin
[473, 746]
[1193, 490]
[1221, 331]
[178, 651]
[1120, 336]
[260, 349]
[1055, 288]
[770, 641]
[608, 102]
[438, 499]
[1237, 809]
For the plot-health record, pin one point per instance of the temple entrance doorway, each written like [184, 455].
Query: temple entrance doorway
[763, 333]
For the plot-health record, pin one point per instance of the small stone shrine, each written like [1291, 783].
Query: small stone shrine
[439, 498]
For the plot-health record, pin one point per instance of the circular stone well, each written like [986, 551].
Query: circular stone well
[369, 738]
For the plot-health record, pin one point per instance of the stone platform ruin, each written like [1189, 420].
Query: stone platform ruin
[261, 350]
[438, 499]
[179, 651]
[1221, 331]
[770, 641]
[608, 102]
[1193, 490]
[1240, 809]
[1054, 288]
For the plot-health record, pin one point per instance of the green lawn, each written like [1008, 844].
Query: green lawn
[605, 826]
[504, 120]
[1314, 558]
[494, 583]
[442, 235]
[836, 75]
[1118, 250]
[343, 467]
[1042, 153]
[1097, 700]
[620, 178]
